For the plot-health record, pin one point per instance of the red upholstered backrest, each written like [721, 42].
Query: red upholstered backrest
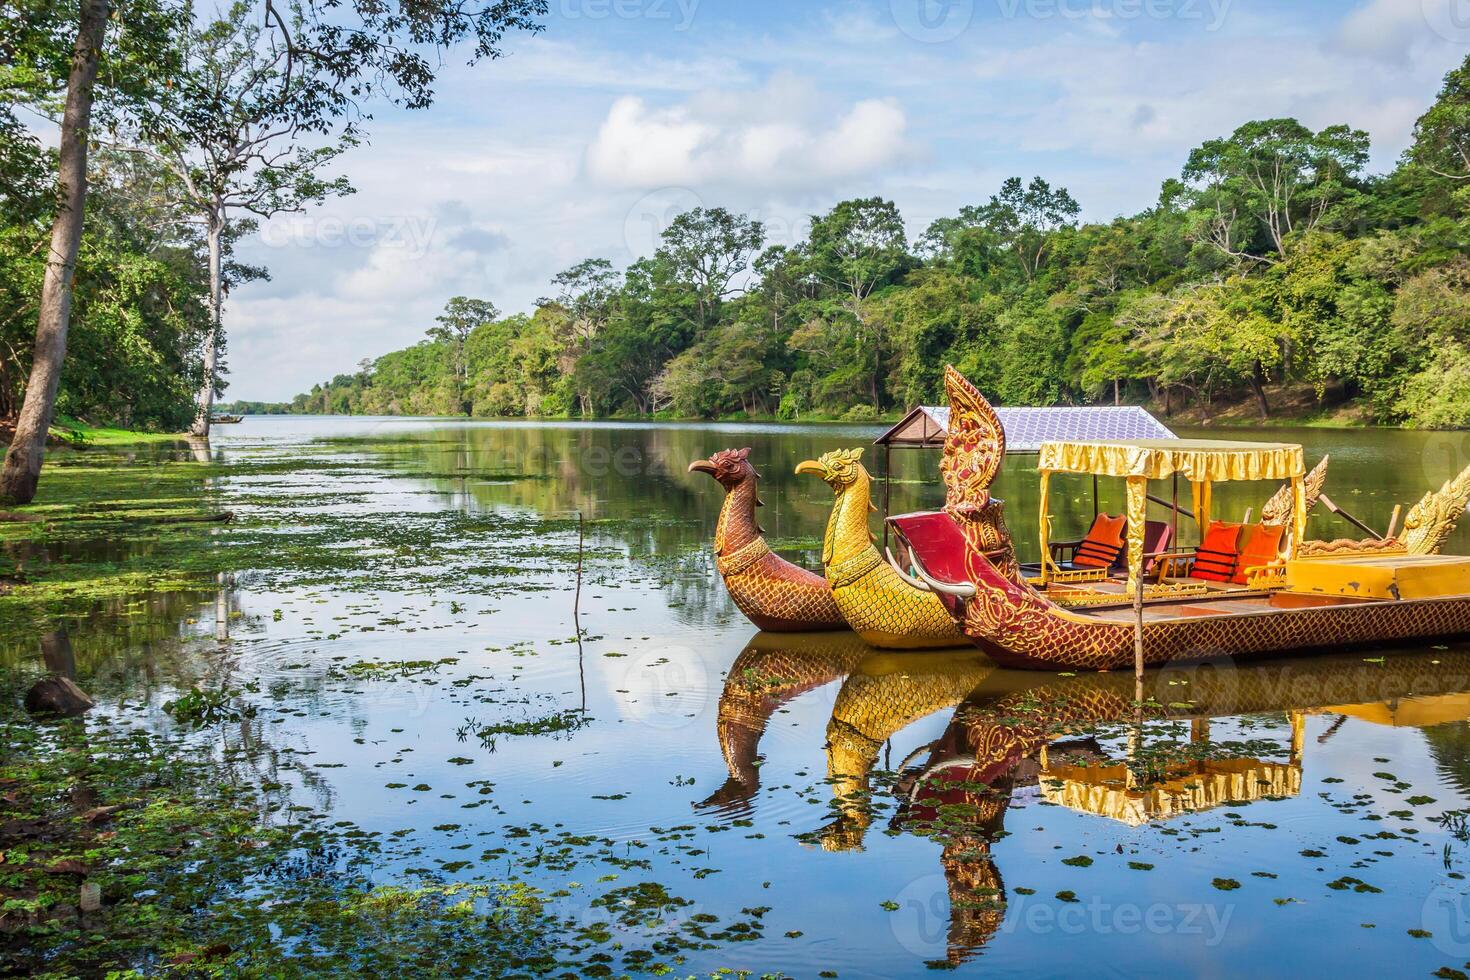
[1157, 536]
[1103, 542]
[1216, 557]
[938, 543]
[1260, 545]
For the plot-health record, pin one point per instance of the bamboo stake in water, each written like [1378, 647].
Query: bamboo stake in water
[577, 611]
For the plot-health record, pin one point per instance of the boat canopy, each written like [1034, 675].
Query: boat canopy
[1197, 460]
[1203, 462]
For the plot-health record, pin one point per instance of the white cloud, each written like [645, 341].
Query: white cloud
[1393, 29]
[860, 23]
[768, 142]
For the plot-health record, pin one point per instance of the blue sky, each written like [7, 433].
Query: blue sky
[585, 140]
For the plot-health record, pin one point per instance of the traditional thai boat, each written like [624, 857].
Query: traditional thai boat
[1245, 590]
[773, 594]
[879, 605]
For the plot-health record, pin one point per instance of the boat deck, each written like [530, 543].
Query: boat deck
[1218, 599]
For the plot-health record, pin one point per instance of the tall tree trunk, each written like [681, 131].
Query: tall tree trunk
[1117, 393]
[1258, 388]
[211, 340]
[22, 468]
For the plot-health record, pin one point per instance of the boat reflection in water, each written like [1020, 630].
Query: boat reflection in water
[772, 670]
[1098, 744]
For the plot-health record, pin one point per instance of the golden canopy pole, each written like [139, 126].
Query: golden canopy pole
[1137, 516]
[1203, 490]
[1045, 529]
[1298, 514]
[1174, 520]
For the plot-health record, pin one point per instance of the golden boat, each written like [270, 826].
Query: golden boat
[773, 594]
[1220, 598]
[878, 603]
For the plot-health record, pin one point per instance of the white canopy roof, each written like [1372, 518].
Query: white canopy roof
[1027, 428]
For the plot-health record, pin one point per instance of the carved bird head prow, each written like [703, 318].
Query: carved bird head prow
[730, 467]
[840, 467]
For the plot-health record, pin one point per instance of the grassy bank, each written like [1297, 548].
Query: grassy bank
[66, 431]
[78, 433]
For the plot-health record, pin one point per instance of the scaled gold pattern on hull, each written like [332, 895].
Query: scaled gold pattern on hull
[772, 593]
[886, 694]
[1019, 628]
[879, 605]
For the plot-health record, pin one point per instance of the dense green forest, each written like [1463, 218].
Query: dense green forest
[140, 296]
[1273, 265]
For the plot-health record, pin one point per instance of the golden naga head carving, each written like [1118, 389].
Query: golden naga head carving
[840, 468]
[730, 467]
[1432, 520]
[974, 448]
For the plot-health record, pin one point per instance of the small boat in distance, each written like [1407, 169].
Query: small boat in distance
[225, 419]
[1245, 589]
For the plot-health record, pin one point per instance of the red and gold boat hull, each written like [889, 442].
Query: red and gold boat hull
[1017, 627]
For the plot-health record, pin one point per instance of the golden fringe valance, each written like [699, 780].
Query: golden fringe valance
[1102, 790]
[1198, 460]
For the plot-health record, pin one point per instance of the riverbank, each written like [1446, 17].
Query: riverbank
[1288, 406]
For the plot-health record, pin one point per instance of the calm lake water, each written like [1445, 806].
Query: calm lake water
[876, 815]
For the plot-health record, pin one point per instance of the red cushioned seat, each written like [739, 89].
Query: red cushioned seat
[937, 541]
